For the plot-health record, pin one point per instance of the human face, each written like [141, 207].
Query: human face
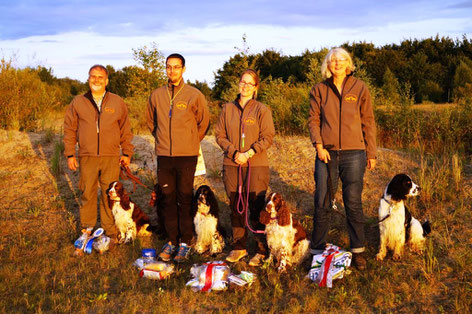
[338, 66]
[247, 86]
[98, 81]
[174, 70]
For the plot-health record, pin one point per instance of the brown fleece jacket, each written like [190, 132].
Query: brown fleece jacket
[342, 122]
[98, 133]
[255, 122]
[177, 127]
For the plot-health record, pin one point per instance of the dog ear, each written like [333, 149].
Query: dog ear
[283, 215]
[264, 217]
[124, 200]
[214, 208]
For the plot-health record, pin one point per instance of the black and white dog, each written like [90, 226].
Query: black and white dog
[205, 213]
[396, 224]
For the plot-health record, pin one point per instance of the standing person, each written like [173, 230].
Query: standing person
[245, 131]
[177, 116]
[98, 121]
[342, 129]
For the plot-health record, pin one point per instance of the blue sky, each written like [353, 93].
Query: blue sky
[71, 35]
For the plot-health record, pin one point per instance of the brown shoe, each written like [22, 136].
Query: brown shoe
[236, 255]
[359, 261]
[257, 260]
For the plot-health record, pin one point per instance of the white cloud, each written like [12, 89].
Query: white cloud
[206, 49]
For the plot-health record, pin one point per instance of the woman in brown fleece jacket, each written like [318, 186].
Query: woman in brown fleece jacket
[342, 129]
[245, 131]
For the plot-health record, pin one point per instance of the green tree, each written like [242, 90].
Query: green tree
[150, 73]
[463, 81]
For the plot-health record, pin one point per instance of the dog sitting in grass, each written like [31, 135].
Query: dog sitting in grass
[130, 220]
[397, 226]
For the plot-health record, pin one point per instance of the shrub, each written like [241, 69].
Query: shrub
[24, 98]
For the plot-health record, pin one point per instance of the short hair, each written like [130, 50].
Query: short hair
[177, 56]
[255, 76]
[339, 52]
[98, 66]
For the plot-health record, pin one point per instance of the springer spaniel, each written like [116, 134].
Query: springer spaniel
[396, 224]
[286, 237]
[205, 214]
[130, 220]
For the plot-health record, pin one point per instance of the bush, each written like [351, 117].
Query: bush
[24, 98]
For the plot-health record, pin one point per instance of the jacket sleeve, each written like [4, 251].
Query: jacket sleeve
[314, 118]
[70, 130]
[151, 117]
[126, 136]
[368, 123]
[202, 116]
[267, 131]
[221, 135]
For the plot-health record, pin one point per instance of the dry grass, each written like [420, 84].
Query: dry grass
[38, 223]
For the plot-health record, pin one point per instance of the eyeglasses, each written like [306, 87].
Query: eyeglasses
[243, 84]
[337, 60]
[175, 67]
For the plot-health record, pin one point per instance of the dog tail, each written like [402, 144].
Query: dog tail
[426, 228]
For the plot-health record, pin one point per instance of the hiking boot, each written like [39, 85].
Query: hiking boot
[359, 261]
[257, 260]
[182, 253]
[167, 250]
[236, 255]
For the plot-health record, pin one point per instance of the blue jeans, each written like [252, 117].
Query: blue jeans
[349, 166]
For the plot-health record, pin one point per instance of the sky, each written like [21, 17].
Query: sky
[69, 36]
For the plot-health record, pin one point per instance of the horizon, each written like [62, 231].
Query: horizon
[70, 37]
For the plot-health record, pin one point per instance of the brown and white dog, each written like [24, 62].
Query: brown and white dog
[396, 224]
[205, 212]
[130, 220]
[286, 237]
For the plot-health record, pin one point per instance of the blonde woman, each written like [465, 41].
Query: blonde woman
[244, 132]
[342, 129]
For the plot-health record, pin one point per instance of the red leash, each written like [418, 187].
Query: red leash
[245, 207]
[125, 174]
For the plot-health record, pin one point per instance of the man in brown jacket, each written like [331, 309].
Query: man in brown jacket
[177, 116]
[98, 122]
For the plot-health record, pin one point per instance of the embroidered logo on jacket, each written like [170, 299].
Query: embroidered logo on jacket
[181, 105]
[109, 110]
[350, 98]
[250, 121]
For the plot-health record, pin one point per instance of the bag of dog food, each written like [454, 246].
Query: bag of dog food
[332, 264]
[211, 276]
[156, 270]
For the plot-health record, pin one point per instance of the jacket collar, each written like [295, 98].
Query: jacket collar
[89, 96]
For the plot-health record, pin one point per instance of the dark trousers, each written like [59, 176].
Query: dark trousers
[349, 166]
[175, 177]
[258, 183]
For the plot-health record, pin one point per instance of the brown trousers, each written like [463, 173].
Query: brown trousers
[258, 184]
[97, 171]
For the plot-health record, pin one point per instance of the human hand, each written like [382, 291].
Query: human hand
[72, 163]
[371, 163]
[240, 158]
[125, 161]
[323, 154]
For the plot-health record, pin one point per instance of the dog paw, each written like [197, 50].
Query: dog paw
[397, 257]
[380, 257]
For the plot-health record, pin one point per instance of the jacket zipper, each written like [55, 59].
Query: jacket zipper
[170, 121]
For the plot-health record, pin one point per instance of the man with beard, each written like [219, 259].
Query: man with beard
[98, 121]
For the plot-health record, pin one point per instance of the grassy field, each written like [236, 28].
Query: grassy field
[39, 216]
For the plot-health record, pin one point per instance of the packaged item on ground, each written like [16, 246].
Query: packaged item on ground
[211, 276]
[156, 270]
[82, 240]
[149, 255]
[101, 244]
[89, 244]
[332, 264]
[242, 279]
